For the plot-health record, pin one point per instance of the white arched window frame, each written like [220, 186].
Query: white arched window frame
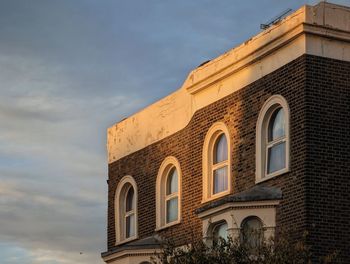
[124, 213]
[163, 197]
[263, 143]
[210, 166]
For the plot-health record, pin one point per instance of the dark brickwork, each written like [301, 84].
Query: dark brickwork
[315, 191]
[327, 163]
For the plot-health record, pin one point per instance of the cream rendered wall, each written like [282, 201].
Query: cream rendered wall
[154, 123]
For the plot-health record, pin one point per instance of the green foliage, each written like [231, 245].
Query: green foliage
[281, 251]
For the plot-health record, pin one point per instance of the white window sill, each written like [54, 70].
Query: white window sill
[168, 225]
[272, 175]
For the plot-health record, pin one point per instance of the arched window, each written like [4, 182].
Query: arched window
[252, 233]
[219, 231]
[126, 210]
[216, 162]
[168, 193]
[272, 139]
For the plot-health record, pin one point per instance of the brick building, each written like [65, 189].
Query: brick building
[256, 138]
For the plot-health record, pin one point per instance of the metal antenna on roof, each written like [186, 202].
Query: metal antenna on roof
[275, 19]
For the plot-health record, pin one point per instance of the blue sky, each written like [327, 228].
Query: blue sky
[69, 70]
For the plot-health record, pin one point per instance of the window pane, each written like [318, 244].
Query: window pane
[220, 180]
[130, 226]
[171, 210]
[172, 183]
[129, 200]
[220, 231]
[220, 149]
[276, 125]
[252, 232]
[276, 157]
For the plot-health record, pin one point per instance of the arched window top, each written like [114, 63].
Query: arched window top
[251, 223]
[276, 127]
[220, 231]
[125, 206]
[272, 139]
[168, 193]
[252, 232]
[216, 162]
[172, 181]
[129, 201]
[220, 149]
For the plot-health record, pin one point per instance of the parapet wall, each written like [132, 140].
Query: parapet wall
[321, 30]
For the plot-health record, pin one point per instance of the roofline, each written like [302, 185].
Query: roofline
[299, 33]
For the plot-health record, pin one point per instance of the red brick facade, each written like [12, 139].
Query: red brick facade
[315, 191]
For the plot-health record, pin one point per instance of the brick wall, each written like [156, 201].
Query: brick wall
[317, 91]
[327, 130]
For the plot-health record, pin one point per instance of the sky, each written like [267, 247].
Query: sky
[69, 69]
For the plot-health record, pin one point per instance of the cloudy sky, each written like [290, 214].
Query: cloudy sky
[68, 70]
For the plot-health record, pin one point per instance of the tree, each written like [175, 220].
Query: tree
[233, 251]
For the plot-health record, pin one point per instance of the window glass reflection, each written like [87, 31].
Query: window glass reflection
[277, 125]
[172, 210]
[220, 149]
[130, 226]
[220, 180]
[276, 157]
[130, 200]
[220, 231]
[172, 182]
